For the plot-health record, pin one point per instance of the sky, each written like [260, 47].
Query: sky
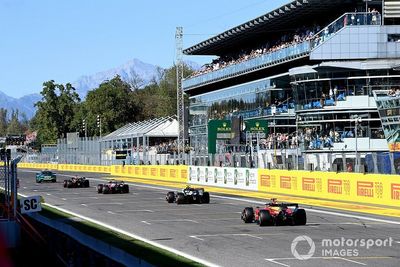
[61, 40]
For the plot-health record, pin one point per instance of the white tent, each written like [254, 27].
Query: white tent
[169, 128]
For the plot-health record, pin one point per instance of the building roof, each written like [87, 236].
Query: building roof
[159, 127]
[274, 21]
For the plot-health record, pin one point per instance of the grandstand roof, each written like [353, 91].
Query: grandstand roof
[160, 127]
[284, 17]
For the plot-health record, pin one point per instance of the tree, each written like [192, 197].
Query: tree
[15, 127]
[112, 100]
[159, 99]
[3, 122]
[135, 81]
[55, 112]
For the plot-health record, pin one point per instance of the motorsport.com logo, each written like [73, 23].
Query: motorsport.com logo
[337, 247]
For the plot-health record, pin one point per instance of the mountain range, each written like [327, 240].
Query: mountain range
[25, 104]
[133, 69]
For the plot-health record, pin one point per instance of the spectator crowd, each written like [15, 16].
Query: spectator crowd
[285, 41]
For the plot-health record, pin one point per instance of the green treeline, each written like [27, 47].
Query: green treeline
[116, 102]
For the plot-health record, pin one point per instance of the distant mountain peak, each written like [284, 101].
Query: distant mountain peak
[25, 104]
[126, 71]
[145, 71]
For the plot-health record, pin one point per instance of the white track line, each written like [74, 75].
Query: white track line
[115, 229]
[276, 260]
[195, 237]
[151, 211]
[357, 262]
[279, 263]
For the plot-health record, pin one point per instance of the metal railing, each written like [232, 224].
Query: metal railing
[264, 60]
[347, 19]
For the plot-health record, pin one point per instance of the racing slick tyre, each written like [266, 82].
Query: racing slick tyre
[170, 197]
[86, 183]
[265, 218]
[69, 184]
[280, 219]
[180, 198]
[99, 188]
[205, 198]
[300, 217]
[106, 190]
[248, 215]
[125, 189]
[65, 183]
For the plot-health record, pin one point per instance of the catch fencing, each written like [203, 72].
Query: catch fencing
[89, 151]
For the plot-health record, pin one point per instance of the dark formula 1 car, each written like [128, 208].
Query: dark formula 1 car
[76, 182]
[275, 214]
[113, 187]
[189, 196]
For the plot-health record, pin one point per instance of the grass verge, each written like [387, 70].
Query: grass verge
[137, 248]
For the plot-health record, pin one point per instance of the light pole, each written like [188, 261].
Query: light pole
[297, 141]
[357, 120]
[84, 125]
[99, 123]
[273, 112]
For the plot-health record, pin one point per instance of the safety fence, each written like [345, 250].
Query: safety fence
[351, 187]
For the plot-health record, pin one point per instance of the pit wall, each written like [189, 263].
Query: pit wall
[66, 167]
[352, 187]
[38, 166]
[178, 173]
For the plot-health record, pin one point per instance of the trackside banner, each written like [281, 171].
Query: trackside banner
[237, 178]
[66, 167]
[371, 188]
[173, 173]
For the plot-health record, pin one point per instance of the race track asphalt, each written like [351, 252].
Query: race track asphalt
[215, 233]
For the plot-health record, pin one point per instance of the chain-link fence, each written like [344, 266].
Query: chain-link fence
[90, 151]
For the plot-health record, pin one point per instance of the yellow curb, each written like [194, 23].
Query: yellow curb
[353, 207]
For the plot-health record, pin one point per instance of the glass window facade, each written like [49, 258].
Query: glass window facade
[250, 100]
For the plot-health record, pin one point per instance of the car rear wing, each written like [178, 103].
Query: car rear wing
[284, 205]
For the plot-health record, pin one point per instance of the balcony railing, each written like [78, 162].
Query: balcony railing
[347, 19]
[285, 54]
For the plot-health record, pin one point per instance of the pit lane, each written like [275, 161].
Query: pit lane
[215, 232]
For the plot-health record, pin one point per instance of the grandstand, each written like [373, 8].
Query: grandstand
[310, 69]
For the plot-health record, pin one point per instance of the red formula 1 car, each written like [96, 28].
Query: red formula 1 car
[275, 213]
[113, 187]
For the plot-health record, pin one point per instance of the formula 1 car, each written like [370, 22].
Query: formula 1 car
[189, 196]
[44, 176]
[275, 213]
[76, 182]
[113, 187]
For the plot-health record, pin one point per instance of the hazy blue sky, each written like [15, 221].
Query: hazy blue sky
[64, 39]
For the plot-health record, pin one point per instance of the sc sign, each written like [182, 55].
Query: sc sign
[30, 204]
